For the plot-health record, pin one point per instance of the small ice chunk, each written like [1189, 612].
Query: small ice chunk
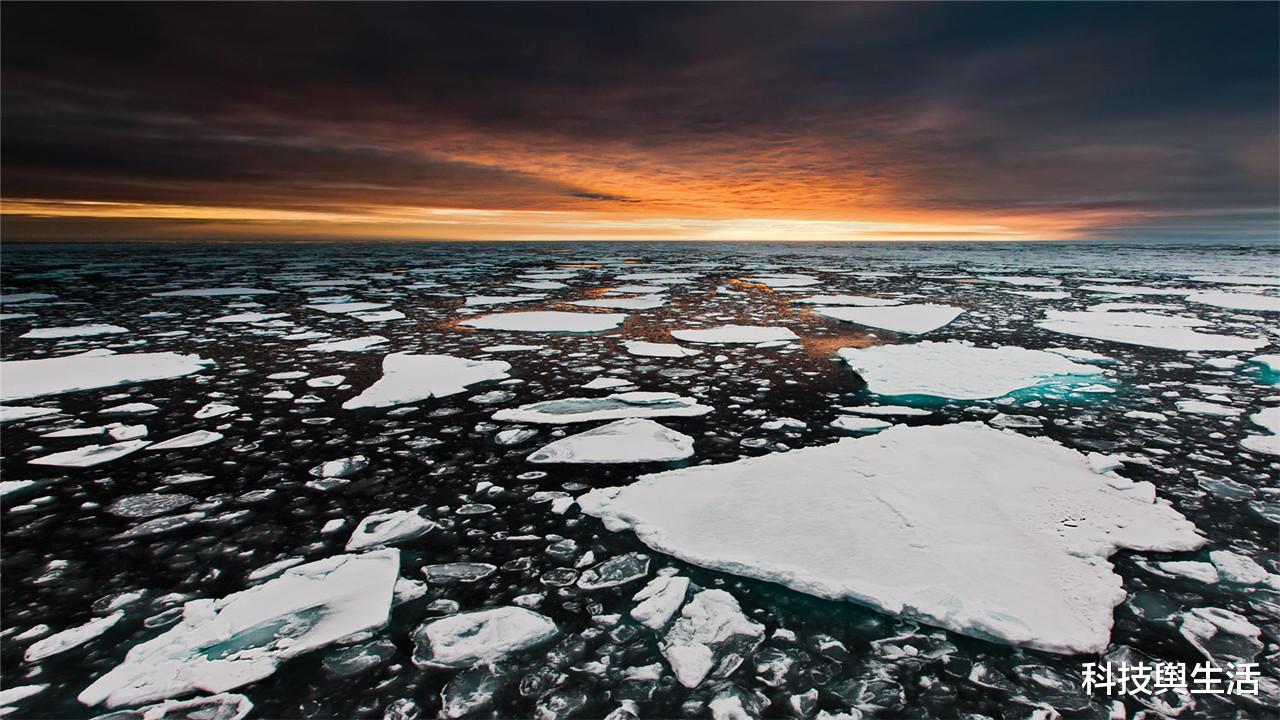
[605, 383]
[1192, 569]
[479, 300]
[889, 410]
[483, 636]
[1221, 635]
[408, 378]
[359, 344]
[214, 292]
[615, 571]
[643, 302]
[622, 441]
[214, 409]
[659, 600]
[458, 572]
[1237, 568]
[858, 300]
[342, 308]
[10, 413]
[388, 528]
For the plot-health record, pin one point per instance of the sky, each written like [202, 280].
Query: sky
[636, 121]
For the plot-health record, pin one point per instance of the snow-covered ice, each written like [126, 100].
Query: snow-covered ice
[90, 455]
[220, 645]
[893, 520]
[551, 321]
[482, 636]
[74, 331]
[957, 370]
[622, 441]
[408, 378]
[89, 371]
[645, 348]
[612, 407]
[907, 319]
[735, 334]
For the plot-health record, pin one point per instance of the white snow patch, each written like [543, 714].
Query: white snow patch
[89, 371]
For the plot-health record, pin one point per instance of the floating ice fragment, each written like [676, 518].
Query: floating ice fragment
[711, 625]
[214, 409]
[1237, 568]
[735, 334]
[71, 637]
[248, 317]
[1221, 635]
[659, 600]
[192, 439]
[615, 571]
[1237, 301]
[956, 370]
[653, 349]
[1268, 418]
[53, 333]
[612, 407]
[889, 410]
[214, 292]
[91, 455]
[907, 319]
[341, 308]
[53, 376]
[644, 302]
[470, 638]
[459, 572]
[479, 300]
[408, 378]
[353, 345]
[223, 644]
[622, 441]
[10, 413]
[148, 504]
[1158, 331]
[859, 300]
[893, 521]
[1238, 279]
[388, 528]
[548, 321]
[849, 423]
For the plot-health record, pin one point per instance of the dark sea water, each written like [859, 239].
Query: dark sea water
[63, 565]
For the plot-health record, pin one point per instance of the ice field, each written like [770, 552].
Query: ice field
[635, 480]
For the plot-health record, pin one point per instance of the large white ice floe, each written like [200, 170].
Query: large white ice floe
[547, 321]
[896, 520]
[1239, 279]
[958, 371]
[53, 376]
[91, 455]
[1237, 301]
[223, 644]
[53, 333]
[735, 334]
[71, 637]
[481, 300]
[645, 348]
[612, 407]
[214, 292]
[470, 638]
[408, 378]
[10, 413]
[711, 626]
[389, 527]
[1170, 332]
[622, 441]
[908, 319]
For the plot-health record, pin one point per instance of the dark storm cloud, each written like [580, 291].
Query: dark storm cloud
[1159, 108]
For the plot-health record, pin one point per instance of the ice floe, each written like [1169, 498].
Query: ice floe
[854, 424]
[388, 528]
[220, 645]
[735, 334]
[214, 292]
[956, 370]
[893, 521]
[73, 331]
[622, 441]
[1137, 328]
[643, 302]
[710, 627]
[408, 378]
[61, 642]
[11, 413]
[907, 319]
[1269, 419]
[195, 438]
[91, 455]
[659, 600]
[482, 300]
[89, 371]
[859, 300]
[1237, 301]
[471, 638]
[360, 344]
[645, 348]
[547, 321]
[612, 407]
